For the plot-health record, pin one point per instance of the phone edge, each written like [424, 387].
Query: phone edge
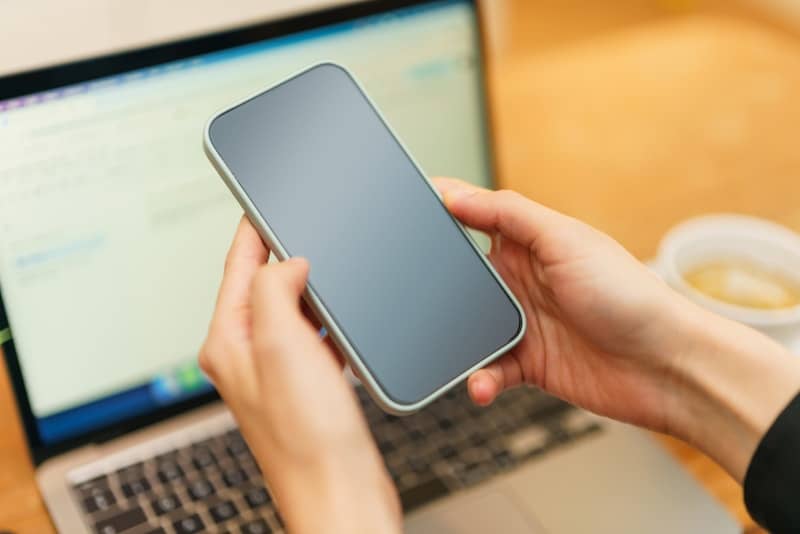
[337, 334]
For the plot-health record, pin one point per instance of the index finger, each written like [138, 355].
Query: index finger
[246, 255]
[446, 186]
[505, 212]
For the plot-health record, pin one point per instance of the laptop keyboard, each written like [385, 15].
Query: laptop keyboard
[210, 485]
[454, 444]
[214, 483]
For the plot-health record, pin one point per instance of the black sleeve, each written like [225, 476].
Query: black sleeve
[772, 482]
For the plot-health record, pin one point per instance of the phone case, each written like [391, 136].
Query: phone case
[334, 331]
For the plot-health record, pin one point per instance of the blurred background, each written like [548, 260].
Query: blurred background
[639, 113]
[665, 101]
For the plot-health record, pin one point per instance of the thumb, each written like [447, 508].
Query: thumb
[504, 212]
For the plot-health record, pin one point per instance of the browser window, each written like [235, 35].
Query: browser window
[114, 227]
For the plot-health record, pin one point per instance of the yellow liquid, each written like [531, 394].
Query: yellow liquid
[743, 284]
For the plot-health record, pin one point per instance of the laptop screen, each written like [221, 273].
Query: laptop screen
[115, 227]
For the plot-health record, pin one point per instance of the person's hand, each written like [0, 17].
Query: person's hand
[596, 317]
[606, 334]
[284, 385]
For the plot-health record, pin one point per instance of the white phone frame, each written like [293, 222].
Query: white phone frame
[337, 334]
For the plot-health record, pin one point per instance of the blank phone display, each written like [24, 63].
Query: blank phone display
[390, 265]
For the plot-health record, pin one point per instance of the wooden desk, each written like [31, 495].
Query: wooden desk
[621, 114]
[21, 508]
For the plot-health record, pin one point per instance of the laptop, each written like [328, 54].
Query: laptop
[114, 229]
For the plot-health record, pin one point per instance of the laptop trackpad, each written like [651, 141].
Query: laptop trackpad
[474, 512]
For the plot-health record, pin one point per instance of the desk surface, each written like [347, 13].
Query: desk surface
[625, 115]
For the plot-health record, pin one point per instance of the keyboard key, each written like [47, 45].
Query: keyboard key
[200, 489]
[474, 474]
[169, 470]
[236, 445]
[101, 500]
[577, 422]
[165, 504]
[135, 487]
[93, 486]
[407, 480]
[157, 530]
[503, 459]
[222, 511]
[415, 435]
[251, 468]
[188, 525]
[418, 465]
[228, 437]
[259, 526]
[474, 455]
[170, 456]
[256, 497]
[446, 451]
[203, 458]
[234, 477]
[121, 522]
[133, 471]
[424, 493]
[206, 443]
[527, 441]
[478, 439]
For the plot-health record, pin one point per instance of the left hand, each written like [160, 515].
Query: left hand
[285, 387]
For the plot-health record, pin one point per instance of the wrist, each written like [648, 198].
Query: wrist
[730, 383]
[347, 492]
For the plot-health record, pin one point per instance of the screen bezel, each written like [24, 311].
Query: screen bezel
[29, 82]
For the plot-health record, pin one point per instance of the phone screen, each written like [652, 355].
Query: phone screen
[390, 265]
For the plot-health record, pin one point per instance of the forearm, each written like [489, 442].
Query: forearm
[731, 384]
[336, 495]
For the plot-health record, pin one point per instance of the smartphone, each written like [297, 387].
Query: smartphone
[401, 287]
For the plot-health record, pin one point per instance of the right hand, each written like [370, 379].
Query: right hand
[603, 330]
[606, 334]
